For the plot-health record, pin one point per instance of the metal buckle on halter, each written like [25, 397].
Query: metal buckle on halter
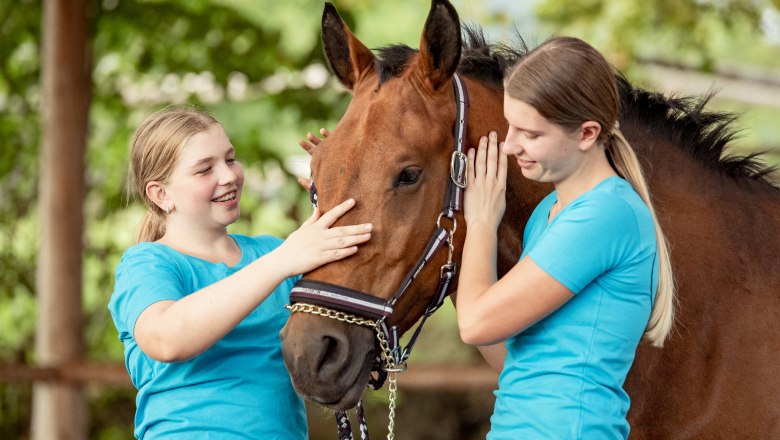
[458, 167]
[452, 219]
[449, 267]
[399, 367]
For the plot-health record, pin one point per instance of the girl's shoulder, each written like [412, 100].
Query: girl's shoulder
[617, 197]
[148, 248]
[260, 243]
[148, 254]
[613, 195]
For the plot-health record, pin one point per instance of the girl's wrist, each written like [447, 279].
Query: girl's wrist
[481, 227]
[276, 261]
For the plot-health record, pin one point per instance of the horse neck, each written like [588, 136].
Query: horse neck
[486, 113]
[701, 208]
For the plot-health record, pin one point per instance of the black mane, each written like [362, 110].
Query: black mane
[683, 121]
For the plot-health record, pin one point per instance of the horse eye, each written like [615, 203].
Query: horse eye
[409, 176]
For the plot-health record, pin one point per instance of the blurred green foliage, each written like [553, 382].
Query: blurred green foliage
[257, 66]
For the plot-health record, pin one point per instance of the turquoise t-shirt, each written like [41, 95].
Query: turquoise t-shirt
[563, 377]
[237, 389]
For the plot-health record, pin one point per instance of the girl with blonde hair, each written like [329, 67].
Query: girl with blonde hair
[199, 309]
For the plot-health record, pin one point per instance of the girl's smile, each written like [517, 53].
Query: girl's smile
[525, 164]
[227, 199]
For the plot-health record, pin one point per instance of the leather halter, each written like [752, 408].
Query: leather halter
[344, 301]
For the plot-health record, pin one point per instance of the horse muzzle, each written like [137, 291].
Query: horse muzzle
[329, 361]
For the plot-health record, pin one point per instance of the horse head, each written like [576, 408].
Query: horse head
[391, 152]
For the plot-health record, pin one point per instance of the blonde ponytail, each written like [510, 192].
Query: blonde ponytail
[627, 165]
[152, 227]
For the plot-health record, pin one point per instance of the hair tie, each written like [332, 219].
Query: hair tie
[616, 126]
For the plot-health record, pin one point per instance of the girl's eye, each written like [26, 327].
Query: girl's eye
[409, 176]
[231, 160]
[204, 171]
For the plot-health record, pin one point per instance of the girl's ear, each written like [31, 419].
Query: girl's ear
[589, 132]
[155, 191]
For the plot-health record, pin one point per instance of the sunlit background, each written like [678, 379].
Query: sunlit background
[257, 66]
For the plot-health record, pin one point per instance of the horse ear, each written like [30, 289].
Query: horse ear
[440, 44]
[349, 59]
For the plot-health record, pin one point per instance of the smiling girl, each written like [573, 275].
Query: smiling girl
[199, 309]
[594, 276]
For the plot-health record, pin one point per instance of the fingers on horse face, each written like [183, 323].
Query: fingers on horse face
[338, 254]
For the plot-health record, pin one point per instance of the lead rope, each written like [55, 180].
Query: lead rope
[391, 368]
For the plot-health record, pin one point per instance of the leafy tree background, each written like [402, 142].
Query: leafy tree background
[257, 65]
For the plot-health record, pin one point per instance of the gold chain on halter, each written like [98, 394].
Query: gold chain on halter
[387, 355]
[391, 368]
[329, 313]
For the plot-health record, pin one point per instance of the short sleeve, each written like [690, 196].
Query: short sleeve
[586, 240]
[143, 277]
[281, 296]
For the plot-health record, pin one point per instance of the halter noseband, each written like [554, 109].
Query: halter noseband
[354, 307]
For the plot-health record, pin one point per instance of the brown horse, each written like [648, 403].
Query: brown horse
[717, 376]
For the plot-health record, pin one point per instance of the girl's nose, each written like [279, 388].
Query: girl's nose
[227, 176]
[507, 148]
[511, 145]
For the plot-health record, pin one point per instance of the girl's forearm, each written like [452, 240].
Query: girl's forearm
[477, 275]
[180, 330]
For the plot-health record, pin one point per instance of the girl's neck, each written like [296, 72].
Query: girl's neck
[212, 245]
[584, 179]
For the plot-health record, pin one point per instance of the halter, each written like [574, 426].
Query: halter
[354, 307]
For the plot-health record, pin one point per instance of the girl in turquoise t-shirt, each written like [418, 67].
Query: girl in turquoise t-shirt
[199, 310]
[594, 276]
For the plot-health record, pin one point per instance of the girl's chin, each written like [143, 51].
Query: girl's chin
[230, 219]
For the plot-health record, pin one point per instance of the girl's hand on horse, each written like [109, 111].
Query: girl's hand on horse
[315, 243]
[309, 145]
[485, 198]
[312, 141]
[305, 183]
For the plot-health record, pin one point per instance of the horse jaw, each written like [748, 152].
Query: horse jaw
[329, 361]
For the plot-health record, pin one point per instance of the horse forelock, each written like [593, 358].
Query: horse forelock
[480, 60]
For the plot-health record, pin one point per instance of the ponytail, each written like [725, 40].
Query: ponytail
[625, 162]
[152, 226]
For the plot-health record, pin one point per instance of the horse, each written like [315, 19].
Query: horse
[716, 376]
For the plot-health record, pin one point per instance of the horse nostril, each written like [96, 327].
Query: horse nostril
[333, 355]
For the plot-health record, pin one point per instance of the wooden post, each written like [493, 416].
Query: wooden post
[59, 409]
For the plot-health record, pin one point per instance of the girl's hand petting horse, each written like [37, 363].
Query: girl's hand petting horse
[485, 198]
[312, 141]
[308, 144]
[315, 243]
